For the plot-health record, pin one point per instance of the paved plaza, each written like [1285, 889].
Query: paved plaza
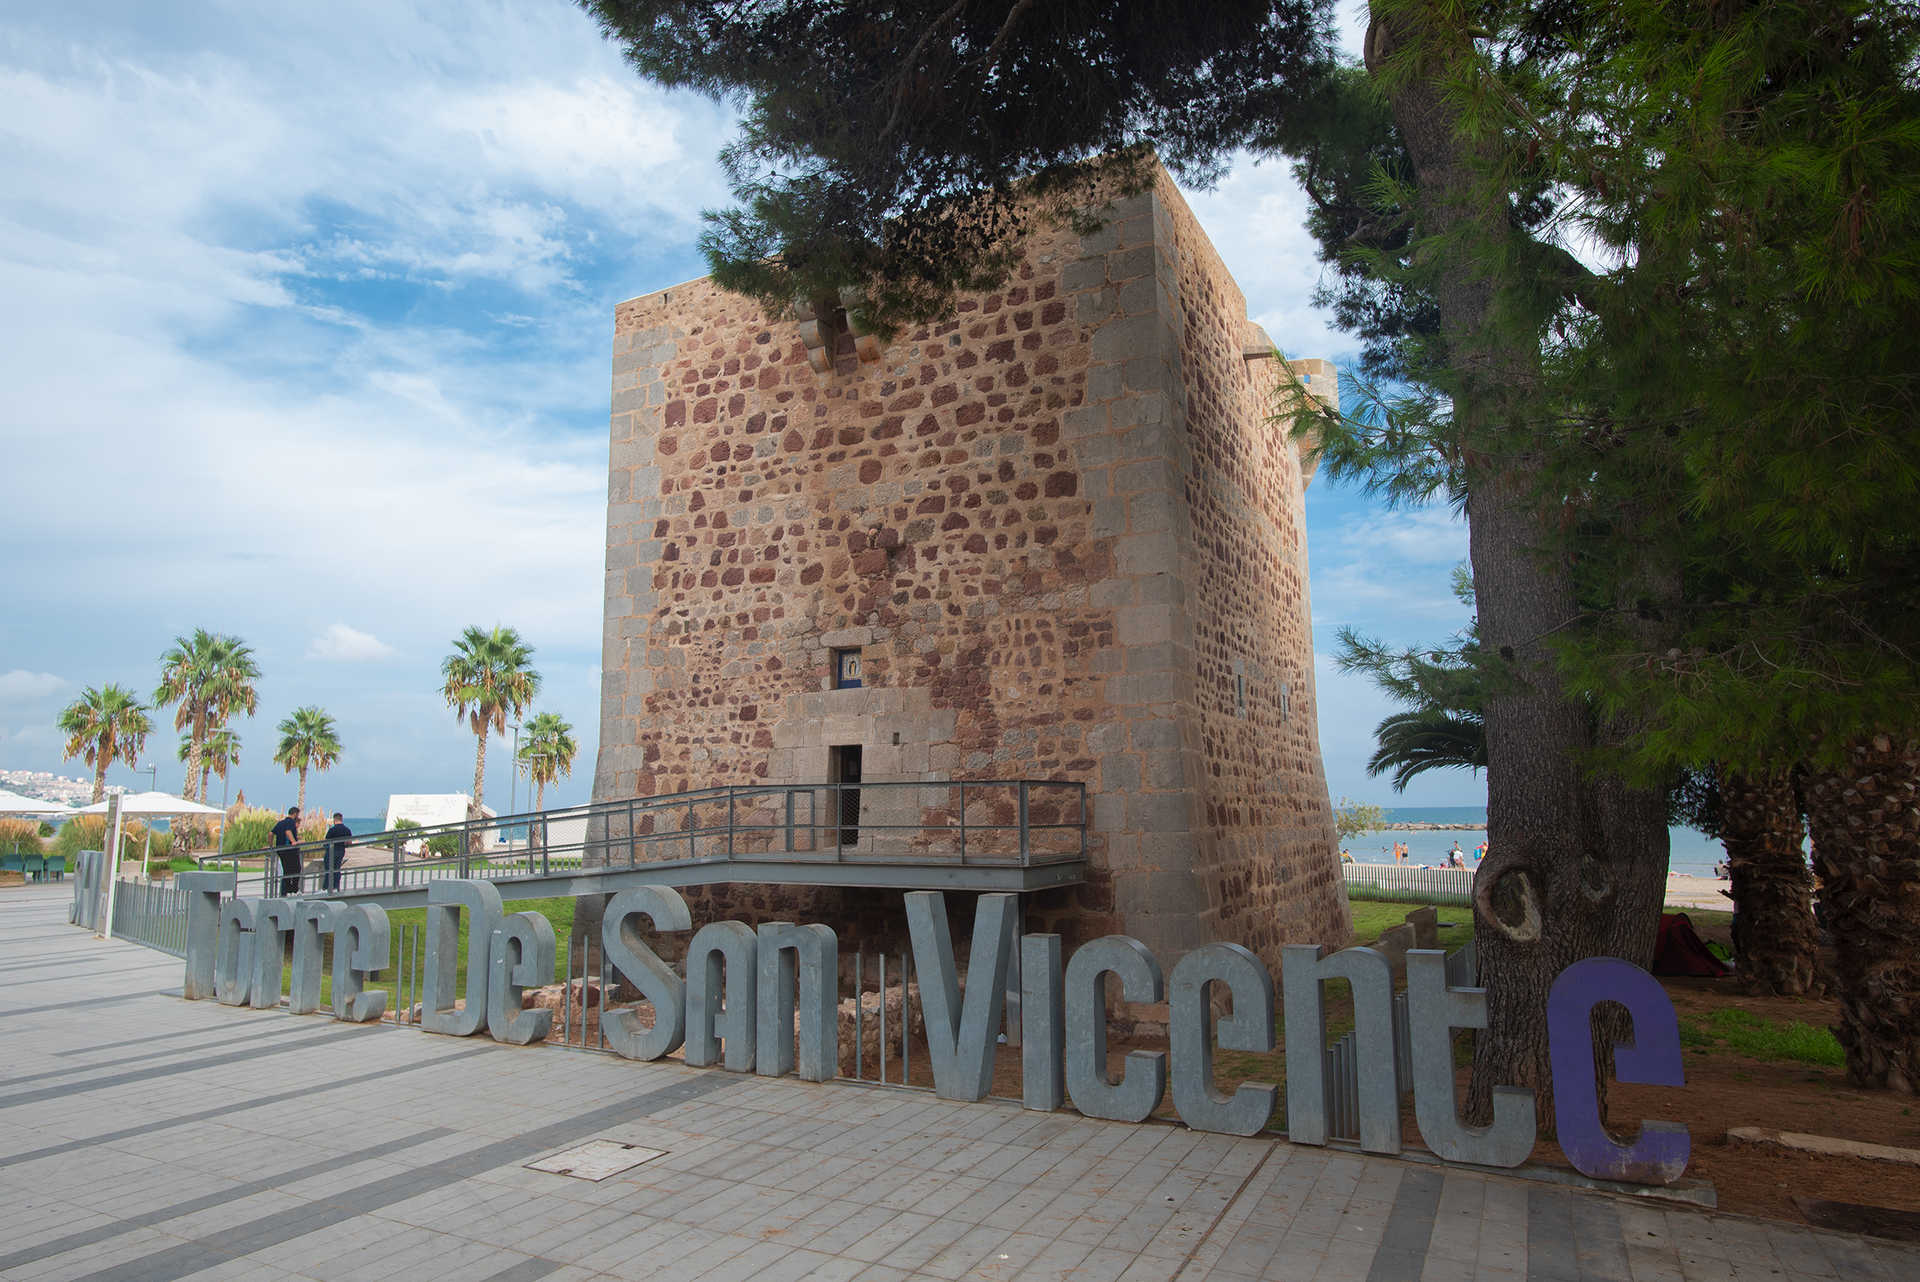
[147, 1137]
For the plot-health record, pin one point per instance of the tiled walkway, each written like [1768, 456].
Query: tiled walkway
[146, 1137]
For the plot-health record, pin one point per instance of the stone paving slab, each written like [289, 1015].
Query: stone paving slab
[145, 1138]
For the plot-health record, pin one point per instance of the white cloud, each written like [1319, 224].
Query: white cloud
[342, 644]
[22, 684]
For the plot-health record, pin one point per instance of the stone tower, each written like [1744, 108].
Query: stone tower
[1059, 534]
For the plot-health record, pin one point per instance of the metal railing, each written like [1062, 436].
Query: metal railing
[1015, 822]
[153, 913]
[1341, 1060]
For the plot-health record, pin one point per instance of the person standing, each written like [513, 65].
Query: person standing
[336, 852]
[286, 844]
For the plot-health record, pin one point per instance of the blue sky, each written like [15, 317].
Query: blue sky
[306, 335]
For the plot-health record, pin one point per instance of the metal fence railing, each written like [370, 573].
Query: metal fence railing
[153, 913]
[1018, 822]
[1447, 885]
[1342, 1059]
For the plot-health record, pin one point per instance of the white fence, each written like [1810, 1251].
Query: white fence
[1442, 885]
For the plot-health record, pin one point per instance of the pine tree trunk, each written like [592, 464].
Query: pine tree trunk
[1865, 816]
[1576, 866]
[1774, 934]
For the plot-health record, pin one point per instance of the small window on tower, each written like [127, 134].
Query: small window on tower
[1240, 694]
[846, 669]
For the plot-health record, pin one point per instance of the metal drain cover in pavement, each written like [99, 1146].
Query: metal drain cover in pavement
[597, 1159]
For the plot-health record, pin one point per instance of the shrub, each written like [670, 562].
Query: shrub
[251, 828]
[442, 845]
[19, 837]
[89, 832]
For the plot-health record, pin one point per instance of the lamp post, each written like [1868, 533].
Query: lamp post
[513, 786]
[152, 770]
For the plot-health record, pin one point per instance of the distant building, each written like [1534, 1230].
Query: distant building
[1060, 536]
[431, 808]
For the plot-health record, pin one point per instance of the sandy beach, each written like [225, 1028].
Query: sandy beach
[1687, 891]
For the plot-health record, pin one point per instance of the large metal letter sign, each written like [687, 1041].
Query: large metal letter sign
[521, 953]
[1190, 1033]
[312, 918]
[710, 1022]
[1043, 1013]
[807, 957]
[960, 1038]
[644, 970]
[1433, 1012]
[233, 967]
[1660, 1153]
[203, 891]
[445, 899]
[272, 923]
[1302, 971]
[360, 942]
[1144, 1078]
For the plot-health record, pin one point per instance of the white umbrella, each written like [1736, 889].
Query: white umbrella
[13, 803]
[152, 805]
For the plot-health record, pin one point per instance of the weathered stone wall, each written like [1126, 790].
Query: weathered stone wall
[1059, 531]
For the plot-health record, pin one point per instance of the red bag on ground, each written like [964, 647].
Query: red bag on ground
[1680, 951]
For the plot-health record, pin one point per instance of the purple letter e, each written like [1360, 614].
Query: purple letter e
[1652, 1058]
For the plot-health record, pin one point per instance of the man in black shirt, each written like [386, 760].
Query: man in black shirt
[336, 851]
[286, 843]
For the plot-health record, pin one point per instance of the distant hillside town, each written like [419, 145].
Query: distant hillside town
[44, 786]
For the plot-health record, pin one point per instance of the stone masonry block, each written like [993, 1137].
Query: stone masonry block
[1088, 273]
[1142, 477]
[1128, 264]
[1120, 774]
[1144, 625]
[1164, 768]
[1143, 554]
[1155, 733]
[1142, 297]
[1126, 339]
[1160, 812]
[1153, 513]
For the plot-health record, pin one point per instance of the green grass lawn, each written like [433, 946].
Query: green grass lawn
[1757, 1037]
[401, 921]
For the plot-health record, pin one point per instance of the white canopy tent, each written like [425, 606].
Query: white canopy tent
[152, 805]
[13, 803]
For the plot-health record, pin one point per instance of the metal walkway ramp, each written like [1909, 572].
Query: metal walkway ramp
[973, 835]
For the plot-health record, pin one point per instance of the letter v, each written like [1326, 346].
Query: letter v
[960, 1038]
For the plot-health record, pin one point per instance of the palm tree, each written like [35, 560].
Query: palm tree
[210, 676]
[1428, 739]
[548, 753]
[308, 741]
[219, 754]
[489, 678]
[105, 725]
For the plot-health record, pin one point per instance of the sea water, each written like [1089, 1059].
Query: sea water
[1690, 851]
